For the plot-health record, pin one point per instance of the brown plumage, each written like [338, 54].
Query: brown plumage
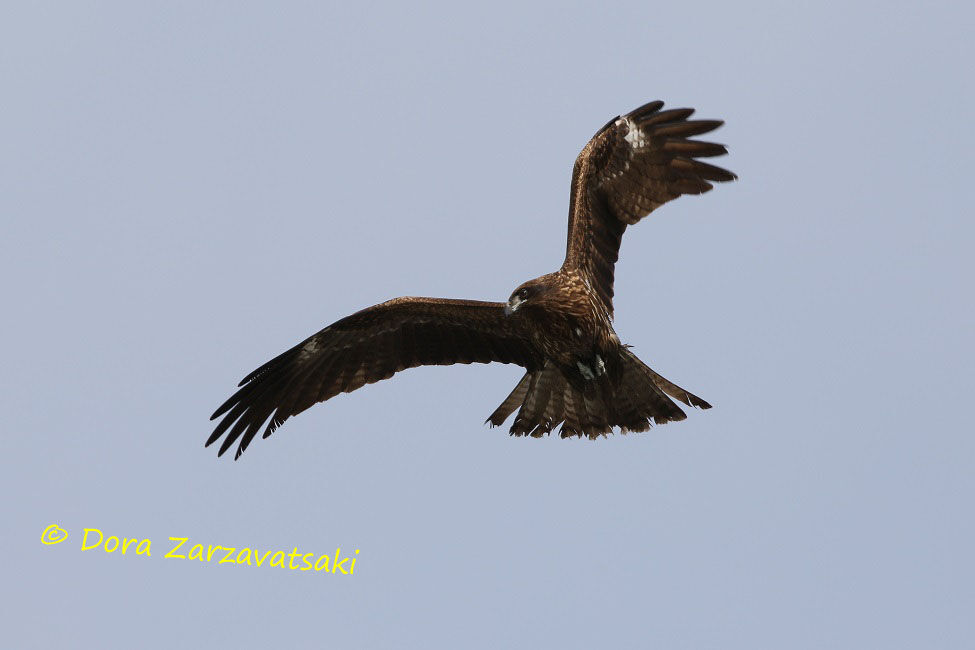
[558, 327]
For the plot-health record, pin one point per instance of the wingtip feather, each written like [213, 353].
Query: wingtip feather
[686, 127]
[647, 109]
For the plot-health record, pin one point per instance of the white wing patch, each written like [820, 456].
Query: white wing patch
[310, 348]
[634, 135]
[635, 138]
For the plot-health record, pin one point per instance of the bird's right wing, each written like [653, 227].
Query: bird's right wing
[364, 348]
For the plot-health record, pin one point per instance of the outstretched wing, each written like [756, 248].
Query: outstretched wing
[364, 348]
[632, 166]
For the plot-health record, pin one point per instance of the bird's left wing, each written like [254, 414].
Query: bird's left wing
[631, 167]
[364, 348]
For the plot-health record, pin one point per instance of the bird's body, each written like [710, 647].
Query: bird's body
[557, 326]
[569, 324]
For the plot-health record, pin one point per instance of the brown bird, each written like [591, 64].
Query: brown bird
[558, 326]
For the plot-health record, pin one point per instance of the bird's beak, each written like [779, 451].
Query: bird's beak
[512, 306]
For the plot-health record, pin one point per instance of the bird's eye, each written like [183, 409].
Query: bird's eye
[523, 293]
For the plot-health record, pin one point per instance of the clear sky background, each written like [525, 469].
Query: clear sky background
[188, 189]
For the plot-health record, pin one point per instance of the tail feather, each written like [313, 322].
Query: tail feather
[668, 387]
[531, 419]
[597, 409]
[570, 427]
[510, 403]
[554, 414]
[637, 399]
[539, 392]
[526, 420]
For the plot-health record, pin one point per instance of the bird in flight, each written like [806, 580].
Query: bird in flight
[558, 326]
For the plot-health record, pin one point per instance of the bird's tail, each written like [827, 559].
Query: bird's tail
[636, 399]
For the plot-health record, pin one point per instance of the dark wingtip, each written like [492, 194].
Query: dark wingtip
[663, 117]
[646, 109]
[214, 436]
[685, 128]
[227, 443]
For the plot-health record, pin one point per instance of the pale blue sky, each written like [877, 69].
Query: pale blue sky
[188, 190]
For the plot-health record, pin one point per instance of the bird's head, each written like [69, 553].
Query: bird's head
[525, 293]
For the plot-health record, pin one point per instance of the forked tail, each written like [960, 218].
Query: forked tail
[637, 399]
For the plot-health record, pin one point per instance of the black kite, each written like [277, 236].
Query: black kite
[558, 327]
